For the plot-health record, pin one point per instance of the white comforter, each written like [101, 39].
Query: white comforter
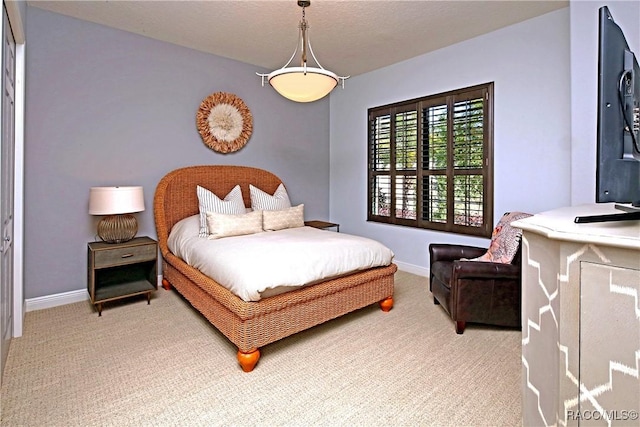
[251, 265]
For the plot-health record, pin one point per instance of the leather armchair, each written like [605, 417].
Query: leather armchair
[474, 291]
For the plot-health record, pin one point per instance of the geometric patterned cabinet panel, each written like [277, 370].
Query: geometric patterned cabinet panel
[580, 320]
[609, 375]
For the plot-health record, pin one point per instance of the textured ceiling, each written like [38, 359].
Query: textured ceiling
[348, 37]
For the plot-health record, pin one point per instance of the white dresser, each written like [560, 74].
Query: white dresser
[580, 319]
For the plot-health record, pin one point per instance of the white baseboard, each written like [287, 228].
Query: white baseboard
[50, 301]
[413, 269]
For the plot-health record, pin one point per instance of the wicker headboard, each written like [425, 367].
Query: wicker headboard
[176, 198]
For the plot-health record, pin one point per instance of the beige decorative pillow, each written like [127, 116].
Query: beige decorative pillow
[286, 218]
[224, 225]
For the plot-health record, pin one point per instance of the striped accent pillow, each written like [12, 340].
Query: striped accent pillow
[223, 225]
[209, 202]
[286, 218]
[261, 201]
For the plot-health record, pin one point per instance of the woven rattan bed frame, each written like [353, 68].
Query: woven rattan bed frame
[252, 325]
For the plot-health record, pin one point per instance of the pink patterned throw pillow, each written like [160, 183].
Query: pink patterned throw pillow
[504, 240]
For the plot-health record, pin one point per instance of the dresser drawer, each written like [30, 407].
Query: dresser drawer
[127, 255]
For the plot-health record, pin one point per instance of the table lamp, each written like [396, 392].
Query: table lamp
[117, 203]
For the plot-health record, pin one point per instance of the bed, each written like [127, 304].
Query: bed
[250, 325]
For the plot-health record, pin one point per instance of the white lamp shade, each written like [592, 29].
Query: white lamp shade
[115, 200]
[302, 84]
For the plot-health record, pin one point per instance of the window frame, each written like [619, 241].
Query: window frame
[422, 171]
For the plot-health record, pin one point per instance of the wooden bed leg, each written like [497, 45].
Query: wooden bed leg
[386, 304]
[166, 284]
[248, 359]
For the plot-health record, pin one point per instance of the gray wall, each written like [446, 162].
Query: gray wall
[106, 107]
[529, 63]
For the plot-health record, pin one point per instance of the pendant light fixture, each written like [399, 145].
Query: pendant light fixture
[303, 83]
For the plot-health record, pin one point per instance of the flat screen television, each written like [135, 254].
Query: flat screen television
[618, 127]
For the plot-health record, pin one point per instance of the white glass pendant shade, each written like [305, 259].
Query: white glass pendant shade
[303, 84]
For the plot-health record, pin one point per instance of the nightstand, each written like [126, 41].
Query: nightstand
[322, 225]
[121, 270]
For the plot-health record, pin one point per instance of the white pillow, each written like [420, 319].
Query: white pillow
[266, 202]
[183, 230]
[287, 218]
[209, 202]
[223, 225]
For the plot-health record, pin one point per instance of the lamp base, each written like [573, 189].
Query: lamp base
[117, 228]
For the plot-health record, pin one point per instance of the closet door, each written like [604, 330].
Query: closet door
[7, 158]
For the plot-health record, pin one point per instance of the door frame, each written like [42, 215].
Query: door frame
[16, 19]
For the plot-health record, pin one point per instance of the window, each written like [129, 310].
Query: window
[431, 162]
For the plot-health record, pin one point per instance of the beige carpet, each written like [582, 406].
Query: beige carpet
[163, 364]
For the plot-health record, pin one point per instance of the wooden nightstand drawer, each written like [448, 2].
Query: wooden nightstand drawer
[127, 255]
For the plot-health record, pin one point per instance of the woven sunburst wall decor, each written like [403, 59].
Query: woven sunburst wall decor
[224, 122]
